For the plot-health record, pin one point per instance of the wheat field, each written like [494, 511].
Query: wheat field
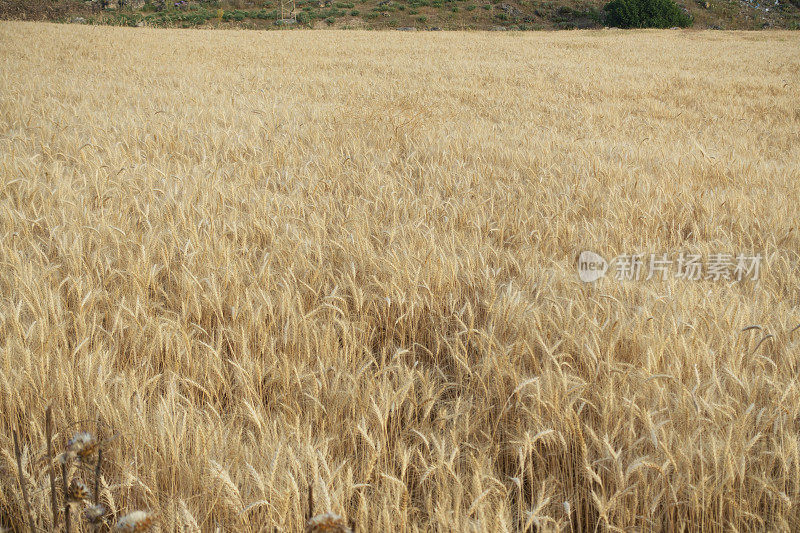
[259, 262]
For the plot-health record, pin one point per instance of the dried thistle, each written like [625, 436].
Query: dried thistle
[51, 470]
[78, 491]
[82, 445]
[135, 522]
[95, 514]
[22, 483]
[327, 523]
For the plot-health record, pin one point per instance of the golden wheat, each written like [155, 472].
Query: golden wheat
[348, 260]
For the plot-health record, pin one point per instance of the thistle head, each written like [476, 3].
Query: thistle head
[135, 522]
[95, 514]
[78, 491]
[82, 444]
[327, 523]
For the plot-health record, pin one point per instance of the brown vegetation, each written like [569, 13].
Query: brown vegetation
[347, 260]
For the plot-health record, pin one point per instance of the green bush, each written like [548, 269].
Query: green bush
[123, 19]
[182, 18]
[646, 14]
[236, 15]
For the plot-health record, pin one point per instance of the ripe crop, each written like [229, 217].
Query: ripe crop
[347, 260]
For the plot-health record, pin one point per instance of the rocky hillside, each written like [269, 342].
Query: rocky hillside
[386, 14]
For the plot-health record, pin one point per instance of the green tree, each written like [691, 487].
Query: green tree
[646, 14]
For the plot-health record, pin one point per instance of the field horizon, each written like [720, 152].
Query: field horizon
[260, 262]
[497, 15]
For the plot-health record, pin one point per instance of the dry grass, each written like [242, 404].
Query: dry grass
[348, 259]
